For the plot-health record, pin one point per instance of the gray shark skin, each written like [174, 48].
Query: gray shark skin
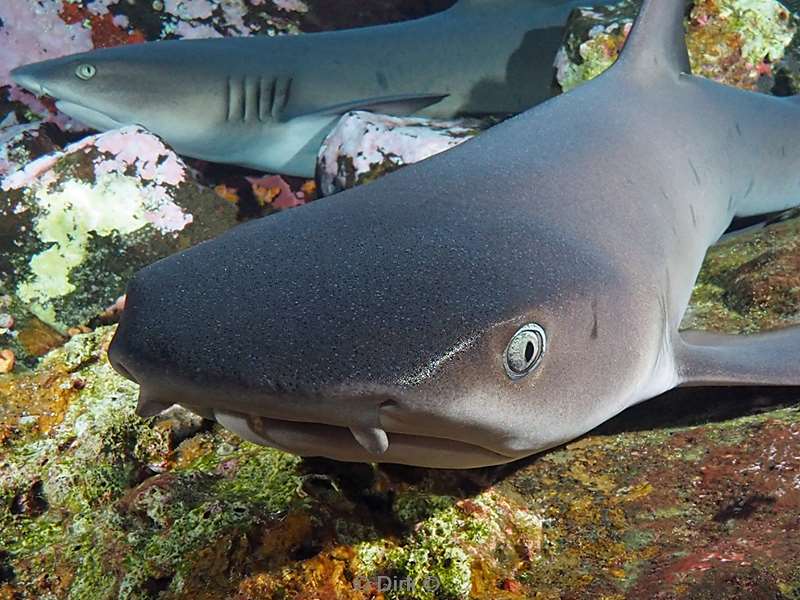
[401, 318]
[268, 103]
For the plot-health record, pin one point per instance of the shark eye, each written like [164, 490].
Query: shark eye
[525, 350]
[85, 71]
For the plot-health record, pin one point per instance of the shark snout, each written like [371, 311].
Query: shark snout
[283, 414]
[349, 424]
[27, 77]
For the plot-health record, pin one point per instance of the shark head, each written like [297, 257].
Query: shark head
[185, 91]
[362, 328]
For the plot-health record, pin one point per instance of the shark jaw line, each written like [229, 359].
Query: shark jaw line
[94, 118]
[319, 439]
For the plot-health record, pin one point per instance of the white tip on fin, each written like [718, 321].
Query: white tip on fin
[372, 439]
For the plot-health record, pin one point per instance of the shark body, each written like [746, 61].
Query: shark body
[493, 301]
[267, 103]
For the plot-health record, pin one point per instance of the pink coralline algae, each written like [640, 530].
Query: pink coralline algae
[131, 152]
[190, 9]
[123, 150]
[363, 146]
[291, 5]
[33, 30]
[274, 190]
[135, 147]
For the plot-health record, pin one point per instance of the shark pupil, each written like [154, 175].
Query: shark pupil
[85, 71]
[529, 350]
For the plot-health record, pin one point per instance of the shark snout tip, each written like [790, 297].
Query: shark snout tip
[25, 77]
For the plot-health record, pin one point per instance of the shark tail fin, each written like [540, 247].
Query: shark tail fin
[714, 359]
[657, 40]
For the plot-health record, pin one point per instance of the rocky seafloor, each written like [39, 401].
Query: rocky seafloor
[695, 494]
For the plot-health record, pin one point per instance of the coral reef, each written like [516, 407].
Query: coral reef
[736, 42]
[78, 223]
[364, 146]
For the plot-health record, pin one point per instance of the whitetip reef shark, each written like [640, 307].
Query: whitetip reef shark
[268, 102]
[493, 301]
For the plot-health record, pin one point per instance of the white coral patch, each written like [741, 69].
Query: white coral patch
[69, 216]
[135, 176]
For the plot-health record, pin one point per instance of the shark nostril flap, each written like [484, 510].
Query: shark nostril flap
[372, 439]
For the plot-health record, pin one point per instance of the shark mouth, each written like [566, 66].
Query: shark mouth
[353, 443]
[358, 444]
[92, 118]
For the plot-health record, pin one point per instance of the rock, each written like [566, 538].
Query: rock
[77, 224]
[20, 143]
[23, 334]
[750, 282]
[79, 496]
[179, 422]
[735, 42]
[364, 146]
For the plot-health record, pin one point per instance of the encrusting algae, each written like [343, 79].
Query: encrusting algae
[736, 42]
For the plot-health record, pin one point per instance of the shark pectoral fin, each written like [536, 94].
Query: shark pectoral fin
[390, 105]
[711, 359]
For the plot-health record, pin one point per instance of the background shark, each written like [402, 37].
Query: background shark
[267, 103]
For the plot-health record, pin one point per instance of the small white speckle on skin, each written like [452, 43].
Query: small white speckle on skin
[431, 368]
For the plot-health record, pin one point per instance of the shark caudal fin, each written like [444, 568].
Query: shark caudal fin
[657, 40]
[713, 359]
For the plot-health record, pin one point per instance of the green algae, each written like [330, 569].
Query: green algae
[70, 216]
[103, 513]
[449, 546]
[433, 550]
[765, 28]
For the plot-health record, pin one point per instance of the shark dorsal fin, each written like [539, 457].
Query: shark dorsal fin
[658, 39]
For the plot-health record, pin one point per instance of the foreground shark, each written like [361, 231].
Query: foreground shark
[268, 103]
[493, 301]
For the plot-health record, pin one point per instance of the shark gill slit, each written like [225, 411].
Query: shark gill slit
[242, 99]
[237, 99]
[233, 99]
[228, 99]
[283, 89]
[252, 87]
[266, 91]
